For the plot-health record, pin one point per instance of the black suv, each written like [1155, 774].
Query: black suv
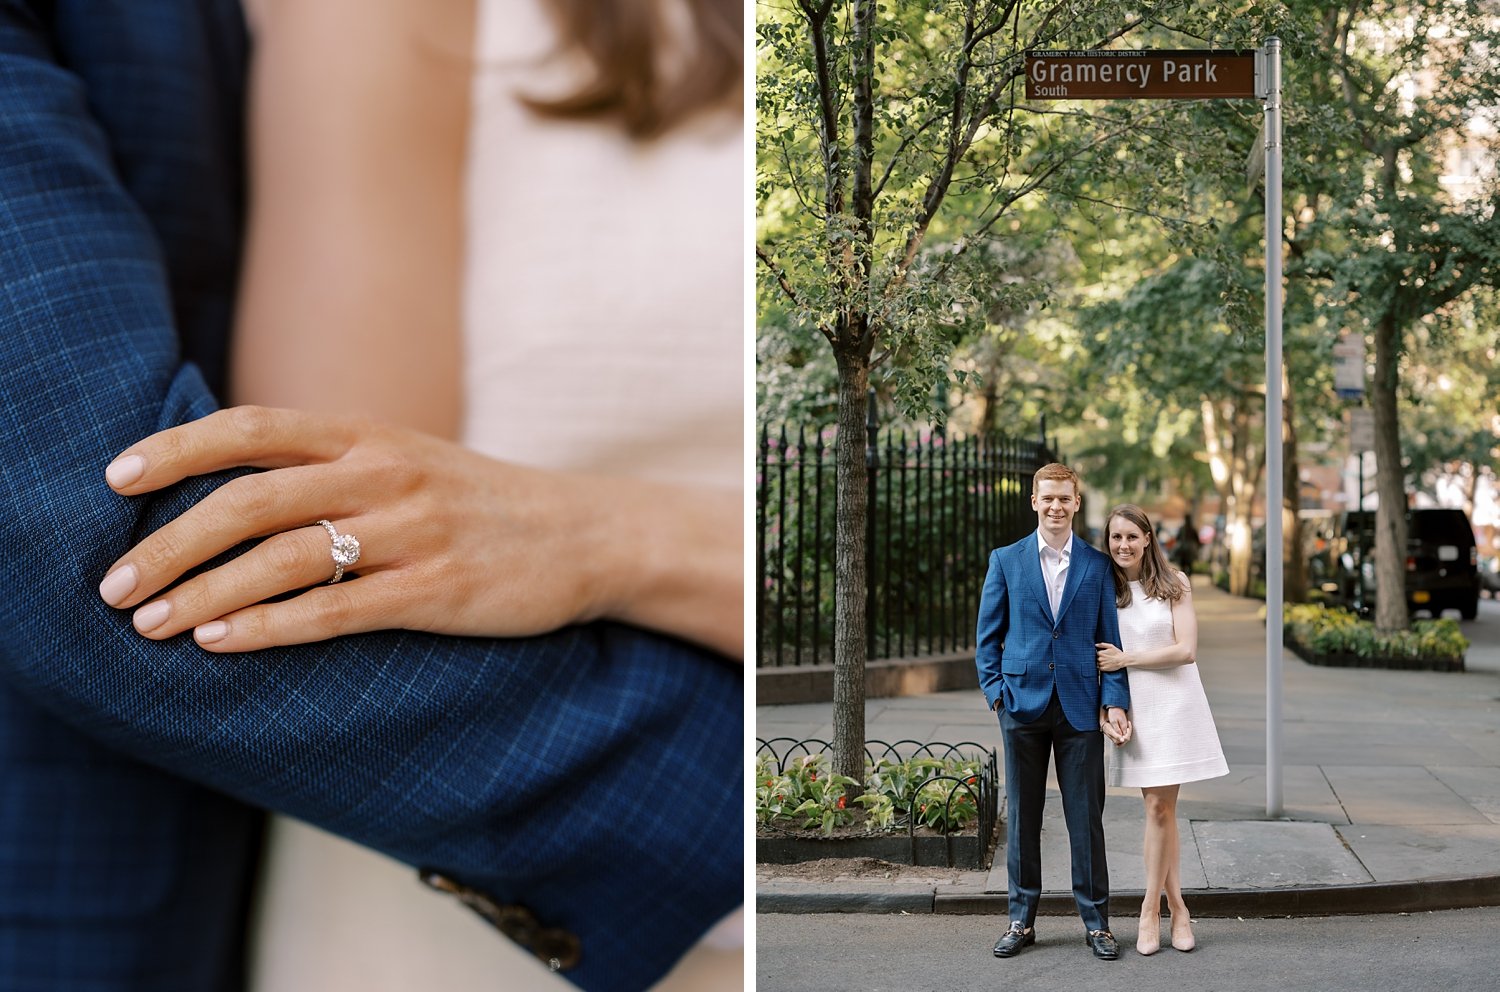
[1441, 562]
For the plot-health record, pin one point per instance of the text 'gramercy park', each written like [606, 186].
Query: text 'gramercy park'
[1123, 70]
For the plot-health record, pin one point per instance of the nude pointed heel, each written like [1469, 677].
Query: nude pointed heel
[1183, 942]
[1148, 937]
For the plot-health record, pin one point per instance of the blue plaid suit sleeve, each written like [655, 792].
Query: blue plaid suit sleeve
[1114, 687]
[990, 629]
[590, 775]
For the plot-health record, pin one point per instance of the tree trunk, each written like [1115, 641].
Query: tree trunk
[1235, 467]
[852, 346]
[1238, 533]
[1390, 483]
[849, 648]
[1218, 467]
[985, 402]
[1294, 563]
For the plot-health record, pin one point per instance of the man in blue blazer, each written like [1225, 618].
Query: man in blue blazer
[578, 790]
[1048, 600]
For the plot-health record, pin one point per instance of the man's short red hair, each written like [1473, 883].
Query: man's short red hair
[1057, 472]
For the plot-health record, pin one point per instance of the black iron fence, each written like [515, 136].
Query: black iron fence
[938, 505]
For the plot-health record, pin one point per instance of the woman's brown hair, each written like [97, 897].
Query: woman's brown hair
[644, 71]
[1158, 579]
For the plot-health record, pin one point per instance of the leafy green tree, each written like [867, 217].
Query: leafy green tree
[1452, 429]
[1405, 84]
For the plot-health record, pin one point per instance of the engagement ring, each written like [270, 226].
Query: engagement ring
[345, 550]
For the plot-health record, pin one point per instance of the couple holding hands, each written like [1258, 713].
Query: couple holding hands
[1073, 647]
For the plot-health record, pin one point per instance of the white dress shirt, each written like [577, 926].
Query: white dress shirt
[1054, 569]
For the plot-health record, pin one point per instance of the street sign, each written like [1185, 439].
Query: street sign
[1206, 74]
[1349, 367]
[1361, 429]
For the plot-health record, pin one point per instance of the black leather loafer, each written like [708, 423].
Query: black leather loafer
[1102, 943]
[1012, 940]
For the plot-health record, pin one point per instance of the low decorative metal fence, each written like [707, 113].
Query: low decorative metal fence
[918, 793]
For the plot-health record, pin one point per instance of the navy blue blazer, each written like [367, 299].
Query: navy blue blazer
[581, 787]
[1023, 652]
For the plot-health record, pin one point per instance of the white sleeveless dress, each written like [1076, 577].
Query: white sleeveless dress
[604, 319]
[1174, 738]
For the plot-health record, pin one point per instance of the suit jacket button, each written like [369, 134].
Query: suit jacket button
[559, 949]
[1055, 635]
[1050, 666]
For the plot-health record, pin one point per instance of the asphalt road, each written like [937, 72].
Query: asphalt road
[1446, 951]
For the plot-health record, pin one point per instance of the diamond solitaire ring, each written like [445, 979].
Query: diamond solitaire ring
[345, 550]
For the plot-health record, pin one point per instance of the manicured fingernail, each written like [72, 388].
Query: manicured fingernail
[152, 615]
[124, 471]
[117, 585]
[214, 630]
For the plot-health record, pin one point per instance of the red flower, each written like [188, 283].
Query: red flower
[770, 782]
[972, 780]
[842, 802]
[812, 777]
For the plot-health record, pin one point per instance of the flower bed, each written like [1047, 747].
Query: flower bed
[935, 805]
[1322, 635]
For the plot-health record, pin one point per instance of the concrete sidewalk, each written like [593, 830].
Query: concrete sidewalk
[1391, 788]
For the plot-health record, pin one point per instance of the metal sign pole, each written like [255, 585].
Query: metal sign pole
[1274, 618]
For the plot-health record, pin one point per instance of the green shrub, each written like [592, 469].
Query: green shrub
[805, 795]
[1329, 630]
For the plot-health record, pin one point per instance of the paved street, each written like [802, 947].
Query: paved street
[925, 953]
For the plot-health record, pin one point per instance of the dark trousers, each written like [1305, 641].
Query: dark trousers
[1080, 776]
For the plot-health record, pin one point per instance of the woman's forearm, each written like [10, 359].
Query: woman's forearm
[672, 560]
[1169, 656]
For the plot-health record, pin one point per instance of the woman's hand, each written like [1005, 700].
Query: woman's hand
[1110, 658]
[1115, 724]
[450, 541]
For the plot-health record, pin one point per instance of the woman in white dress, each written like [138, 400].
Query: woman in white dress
[1174, 739]
[515, 225]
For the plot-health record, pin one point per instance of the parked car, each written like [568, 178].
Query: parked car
[1442, 562]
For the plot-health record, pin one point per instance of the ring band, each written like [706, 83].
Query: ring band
[345, 550]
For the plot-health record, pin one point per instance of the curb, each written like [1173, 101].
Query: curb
[895, 897]
[1416, 895]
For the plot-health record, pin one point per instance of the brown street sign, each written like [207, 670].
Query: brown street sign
[1140, 75]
